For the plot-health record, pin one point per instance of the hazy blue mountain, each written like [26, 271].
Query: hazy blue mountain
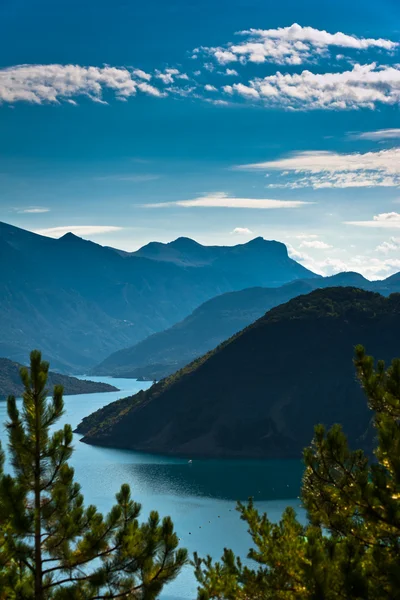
[10, 382]
[260, 393]
[256, 261]
[78, 301]
[216, 320]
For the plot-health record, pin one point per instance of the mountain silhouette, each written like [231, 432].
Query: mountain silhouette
[260, 393]
[78, 301]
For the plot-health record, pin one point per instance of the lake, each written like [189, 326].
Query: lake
[200, 497]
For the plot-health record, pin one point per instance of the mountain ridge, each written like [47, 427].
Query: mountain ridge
[214, 321]
[260, 393]
[86, 301]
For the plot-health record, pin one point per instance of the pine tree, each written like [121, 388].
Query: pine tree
[51, 546]
[349, 547]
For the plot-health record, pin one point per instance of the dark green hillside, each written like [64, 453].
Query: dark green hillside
[261, 392]
[215, 321]
[10, 382]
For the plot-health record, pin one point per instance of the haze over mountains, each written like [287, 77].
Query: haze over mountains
[260, 393]
[217, 320]
[78, 301]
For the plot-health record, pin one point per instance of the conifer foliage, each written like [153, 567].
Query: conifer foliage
[350, 546]
[51, 546]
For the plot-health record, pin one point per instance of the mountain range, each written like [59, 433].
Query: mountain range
[10, 382]
[260, 393]
[79, 302]
[216, 320]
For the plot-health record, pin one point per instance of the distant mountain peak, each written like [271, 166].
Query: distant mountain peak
[257, 240]
[348, 276]
[184, 243]
[260, 241]
[69, 236]
[255, 262]
[72, 239]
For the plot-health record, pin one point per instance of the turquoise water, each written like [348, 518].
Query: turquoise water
[200, 497]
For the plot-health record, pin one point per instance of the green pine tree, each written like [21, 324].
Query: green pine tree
[350, 546]
[51, 546]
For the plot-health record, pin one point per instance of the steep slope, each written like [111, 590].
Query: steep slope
[260, 393]
[10, 382]
[79, 302]
[213, 322]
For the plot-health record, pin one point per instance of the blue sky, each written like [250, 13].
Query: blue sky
[128, 122]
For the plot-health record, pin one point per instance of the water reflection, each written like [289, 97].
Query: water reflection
[224, 480]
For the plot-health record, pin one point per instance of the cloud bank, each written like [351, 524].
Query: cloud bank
[361, 86]
[385, 220]
[368, 265]
[321, 169]
[242, 231]
[386, 247]
[317, 244]
[40, 84]
[57, 232]
[32, 210]
[364, 86]
[223, 200]
[292, 45]
[380, 134]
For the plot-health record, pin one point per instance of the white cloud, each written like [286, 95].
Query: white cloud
[141, 74]
[292, 45]
[183, 92]
[323, 169]
[33, 210]
[51, 83]
[149, 89]
[318, 244]
[242, 231]
[339, 180]
[365, 86]
[385, 220]
[245, 90]
[168, 76]
[320, 38]
[209, 67]
[217, 102]
[223, 200]
[57, 232]
[224, 56]
[380, 134]
[386, 247]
